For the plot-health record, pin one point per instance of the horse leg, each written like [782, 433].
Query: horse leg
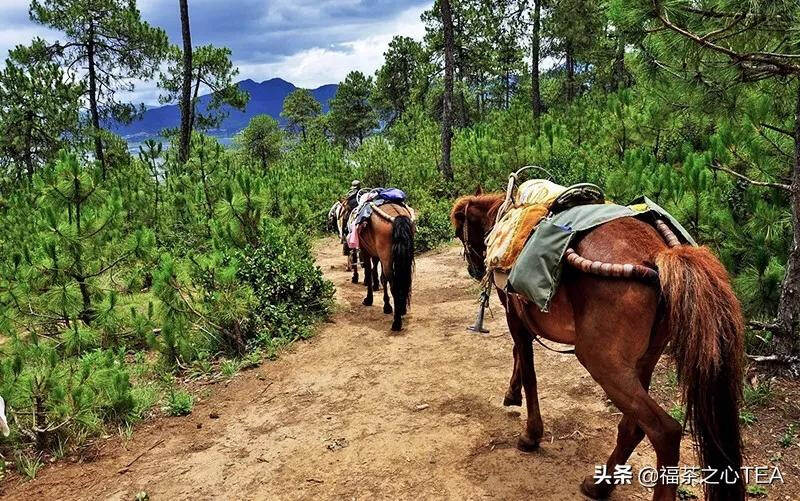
[523, 348]
[629, 435]
[354, 265]
[376, 285]
[513, 395]
[387, 305]
[627, 389]
[368, 272]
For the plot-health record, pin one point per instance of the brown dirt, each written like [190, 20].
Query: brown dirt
[359, 413]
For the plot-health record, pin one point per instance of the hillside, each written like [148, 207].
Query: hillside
[265, 98]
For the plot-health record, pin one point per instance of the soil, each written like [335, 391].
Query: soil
[359, 412]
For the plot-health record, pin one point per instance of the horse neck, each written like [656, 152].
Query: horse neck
[490, 205]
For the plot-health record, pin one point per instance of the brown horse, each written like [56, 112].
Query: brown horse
[620, 327]
[388, 236]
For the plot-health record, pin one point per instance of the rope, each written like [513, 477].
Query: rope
[390, 218]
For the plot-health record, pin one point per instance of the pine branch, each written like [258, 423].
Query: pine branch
[778, 129]
[764, 184]
[770, 61]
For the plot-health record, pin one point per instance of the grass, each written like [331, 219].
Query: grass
[179, 403]
[789, 436]
[145, 397]
[685, 492]
[678, 413]
[229, 368]
[756, 491]
[747, 417]
[29, 465]
[758, 395]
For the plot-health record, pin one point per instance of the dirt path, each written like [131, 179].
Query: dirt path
[359, 413]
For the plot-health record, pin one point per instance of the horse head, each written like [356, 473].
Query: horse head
[473, 218]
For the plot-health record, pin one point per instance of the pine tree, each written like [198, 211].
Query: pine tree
[213, 71]
[721, 51]
[396, 79]
[38, 109]
[110, 40]
[261, 140]
[351, 116]
[300, 108]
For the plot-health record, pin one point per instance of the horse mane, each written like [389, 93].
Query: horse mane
[489, 203]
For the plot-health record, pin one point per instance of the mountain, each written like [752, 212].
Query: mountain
[265, 98]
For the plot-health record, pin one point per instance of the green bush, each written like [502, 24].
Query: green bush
[289, 288]
[433, 224]
[179, 403]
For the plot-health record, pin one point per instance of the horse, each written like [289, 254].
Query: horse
[388, 237]
[619, 327]
[338, 215]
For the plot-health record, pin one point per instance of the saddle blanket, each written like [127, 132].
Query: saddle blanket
[537, 270]
[506, 240]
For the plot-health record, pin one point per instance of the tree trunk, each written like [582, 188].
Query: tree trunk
[186, 86]
[618, 80]
[447, 105]
[570, 73]
[536, 96]
[29, 146]
[789, 305]
[95, 114]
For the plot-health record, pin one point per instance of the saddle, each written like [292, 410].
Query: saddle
[525, 207]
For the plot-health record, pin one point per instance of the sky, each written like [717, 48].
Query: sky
[307, 42]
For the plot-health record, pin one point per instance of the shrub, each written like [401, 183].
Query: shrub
[433, 224]
[289, 288]
[179, 403]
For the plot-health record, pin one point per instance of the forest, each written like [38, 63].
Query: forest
[125, 272]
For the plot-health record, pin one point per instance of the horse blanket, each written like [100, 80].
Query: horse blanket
[507, 239]
[537, 271]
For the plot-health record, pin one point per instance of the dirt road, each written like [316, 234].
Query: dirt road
[361, 413]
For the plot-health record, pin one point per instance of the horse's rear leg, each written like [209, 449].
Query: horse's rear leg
[368, 272]
[640, 414]
[375, 283]
[387, 305]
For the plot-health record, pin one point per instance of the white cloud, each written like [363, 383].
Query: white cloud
[309, 68]
[323, 65]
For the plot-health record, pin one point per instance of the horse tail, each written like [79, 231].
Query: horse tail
[707, 330]
[402, 261]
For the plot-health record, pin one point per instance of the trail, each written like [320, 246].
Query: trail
[359, 412]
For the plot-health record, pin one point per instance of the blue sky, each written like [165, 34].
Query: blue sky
[307, 42]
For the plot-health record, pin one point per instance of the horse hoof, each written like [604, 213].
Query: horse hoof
[525, 444]
[515, 401]
[595, 491]
[397, 326]
[354, 280]
[367, 301]
[387, 309]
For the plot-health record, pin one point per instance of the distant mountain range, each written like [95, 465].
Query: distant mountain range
[265, 98]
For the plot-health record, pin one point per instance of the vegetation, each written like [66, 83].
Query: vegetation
[119, 271]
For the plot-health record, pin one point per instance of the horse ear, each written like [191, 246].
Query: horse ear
[478, 190]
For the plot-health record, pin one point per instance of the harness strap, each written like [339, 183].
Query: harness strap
[567, 352]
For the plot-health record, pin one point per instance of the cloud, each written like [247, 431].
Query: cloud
[322, 65]
[307, 42]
